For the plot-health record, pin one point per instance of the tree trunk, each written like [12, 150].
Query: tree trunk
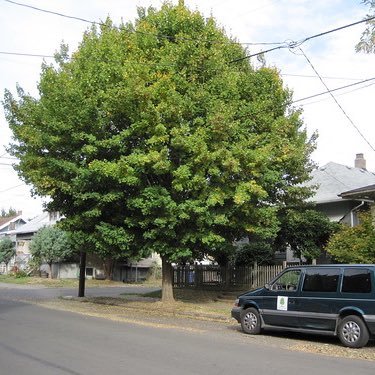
[82, 274]
[50, 270]
[167, 286]
[108, 266]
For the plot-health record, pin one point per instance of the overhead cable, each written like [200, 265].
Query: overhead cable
[295, 44]
[338, 104]
[137, 31]
[332, 90]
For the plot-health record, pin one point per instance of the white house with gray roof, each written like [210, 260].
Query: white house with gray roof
[333, 179]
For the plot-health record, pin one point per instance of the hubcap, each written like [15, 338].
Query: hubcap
[351, 331]
[250, 321]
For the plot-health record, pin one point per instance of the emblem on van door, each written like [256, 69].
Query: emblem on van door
[282, 303]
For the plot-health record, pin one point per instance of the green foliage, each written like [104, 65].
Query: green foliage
[11, 212]
[147, 139]
[49, 245]
[258, 250]
[306, 231]
[367, 41]
[354, 244]
[7, 250]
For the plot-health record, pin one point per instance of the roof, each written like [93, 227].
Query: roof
[365, 193]
[34, 225]
[333, 179]
[4, 221]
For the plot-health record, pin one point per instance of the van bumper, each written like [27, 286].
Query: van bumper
[236, 313]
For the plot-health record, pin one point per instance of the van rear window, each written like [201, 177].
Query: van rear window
[356, 281]
[322, 280]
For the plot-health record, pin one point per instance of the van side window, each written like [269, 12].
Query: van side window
[287, 281]
[356, 281]
[322, 280]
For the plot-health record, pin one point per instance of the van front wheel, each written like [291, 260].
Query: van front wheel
[250, 321]
[352, 332]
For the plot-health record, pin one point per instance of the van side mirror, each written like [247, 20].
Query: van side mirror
[267, 286]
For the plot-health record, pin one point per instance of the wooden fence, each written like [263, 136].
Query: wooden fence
[216, 277]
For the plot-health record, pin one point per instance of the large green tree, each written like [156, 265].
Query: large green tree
[51, 245]
[7, 250]
[354, 244]
[150, 139]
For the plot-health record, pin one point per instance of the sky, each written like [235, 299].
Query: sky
[344, 130]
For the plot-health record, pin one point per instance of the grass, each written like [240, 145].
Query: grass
[59, 283]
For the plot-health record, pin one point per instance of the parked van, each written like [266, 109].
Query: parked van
[334, 300]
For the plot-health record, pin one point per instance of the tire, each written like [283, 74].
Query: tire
[352, 332]
[250, 321]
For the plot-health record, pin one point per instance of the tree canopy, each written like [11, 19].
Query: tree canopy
[50, 245]
[7, 250]
[150, 139]
[367, 41]
[305, 231]
[8, 213]
[354, 244]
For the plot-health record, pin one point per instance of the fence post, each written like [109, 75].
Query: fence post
[284, 264]
[255, 275]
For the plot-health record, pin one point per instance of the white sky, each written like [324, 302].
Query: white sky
[24, 30]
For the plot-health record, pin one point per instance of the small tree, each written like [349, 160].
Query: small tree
[11, 212]
[7, 251]
[305, 231]
[50, 245]
[354, 244]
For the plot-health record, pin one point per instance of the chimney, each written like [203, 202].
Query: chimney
[360, 161]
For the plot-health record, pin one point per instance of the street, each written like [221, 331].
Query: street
[36, 340]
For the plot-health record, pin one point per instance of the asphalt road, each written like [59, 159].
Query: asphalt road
[35, 340]
[22, 292]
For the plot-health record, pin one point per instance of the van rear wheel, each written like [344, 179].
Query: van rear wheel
[352, 332]
[250, 321]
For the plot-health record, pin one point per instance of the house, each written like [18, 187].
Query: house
[332, 181]
[22, 236]
[11, 223]
[7, 227]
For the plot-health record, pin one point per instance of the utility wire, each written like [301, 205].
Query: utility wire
[338, 104]
[292, 45]
[25, 54]
[344, 93]
[336, 89]
[137, 31]
[11, 188]
[325, 77]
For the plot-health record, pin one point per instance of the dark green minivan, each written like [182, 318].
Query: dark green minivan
[330, 299]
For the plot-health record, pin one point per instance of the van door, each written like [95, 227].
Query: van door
[280, 300]
[319, 298]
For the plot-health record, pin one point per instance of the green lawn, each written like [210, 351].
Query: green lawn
[53, 283]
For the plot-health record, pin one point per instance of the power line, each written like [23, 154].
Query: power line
[325, 77]
[11, 188]
[336, 89]
[25, 54]
[344, 93]
[292, 45]
[136, 31]
[338, 104]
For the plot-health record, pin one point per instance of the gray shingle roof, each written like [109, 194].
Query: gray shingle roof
[333, 179]
[34, 225]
